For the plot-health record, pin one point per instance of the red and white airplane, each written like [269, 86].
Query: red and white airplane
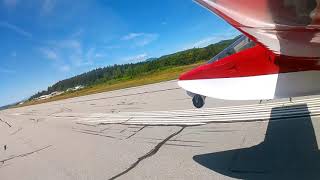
[284, 62]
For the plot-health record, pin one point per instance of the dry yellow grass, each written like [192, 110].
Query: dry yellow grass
[164, 75]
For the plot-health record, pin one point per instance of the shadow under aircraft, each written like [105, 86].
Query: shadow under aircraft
[289, 151]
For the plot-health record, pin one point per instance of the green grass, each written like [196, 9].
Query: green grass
[154, 77]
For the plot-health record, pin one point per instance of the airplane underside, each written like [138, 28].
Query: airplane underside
[252, 74]
[273, 86]
[284, 63]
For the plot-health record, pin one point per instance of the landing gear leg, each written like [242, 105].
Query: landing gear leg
[198, 101]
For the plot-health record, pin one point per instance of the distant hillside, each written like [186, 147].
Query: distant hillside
[130, 71]
[8, 106]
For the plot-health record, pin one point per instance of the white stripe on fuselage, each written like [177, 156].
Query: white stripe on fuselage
[256, 87]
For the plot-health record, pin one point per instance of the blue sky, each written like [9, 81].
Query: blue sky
[44, 41]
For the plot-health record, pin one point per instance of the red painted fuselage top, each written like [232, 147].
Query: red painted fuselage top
[251, 62]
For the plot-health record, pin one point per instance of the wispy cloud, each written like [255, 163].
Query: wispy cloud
[13, 54]
[147, 39]
[6, 71]
[49, 54]
[64, 68]
[206, 41]
[68, 44]
[131, 36]
[10, 3]
[100, 55]
[231, 33]
[70, 54]
[136, 58]
[141, 39]
[48, 6]
[77, 33]
[112, 47]
[16, 29]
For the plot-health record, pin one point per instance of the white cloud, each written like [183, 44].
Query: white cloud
[16, 29]
[141, 39]
[137, 58]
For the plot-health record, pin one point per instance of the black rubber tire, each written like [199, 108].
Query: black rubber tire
[198, 101]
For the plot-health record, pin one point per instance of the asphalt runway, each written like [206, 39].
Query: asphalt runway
[153, 132]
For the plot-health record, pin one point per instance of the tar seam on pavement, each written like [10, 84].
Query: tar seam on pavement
[95, 134]
[136, 132]
[15, 132]
[149, 154]
[5, 122]
[86, 124]
[23, 155]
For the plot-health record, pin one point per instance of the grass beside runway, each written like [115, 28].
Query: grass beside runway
[144, 79]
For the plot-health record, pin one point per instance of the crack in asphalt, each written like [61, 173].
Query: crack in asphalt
[136, 132]
[123, 130]
[174, 144]
[149, 154]
[24, 155]
[2, 165]
[86, 130]
[15, 132]
[102, 130]
[6, 123]
[236, 156]
[116, 123]
[182, 145]
[86, 124]
[96, 134]
[177, 140]
[124, 123]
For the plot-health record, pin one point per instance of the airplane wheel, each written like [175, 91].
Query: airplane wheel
[198, 101]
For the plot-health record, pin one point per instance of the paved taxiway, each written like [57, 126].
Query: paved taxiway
[153, 132]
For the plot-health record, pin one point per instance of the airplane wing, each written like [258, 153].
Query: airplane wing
[286, 27]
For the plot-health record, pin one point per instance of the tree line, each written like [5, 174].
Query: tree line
[132, 70]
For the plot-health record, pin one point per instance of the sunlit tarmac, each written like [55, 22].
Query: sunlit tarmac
[154, 132]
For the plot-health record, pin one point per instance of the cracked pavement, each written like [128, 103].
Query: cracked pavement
[99, 137]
